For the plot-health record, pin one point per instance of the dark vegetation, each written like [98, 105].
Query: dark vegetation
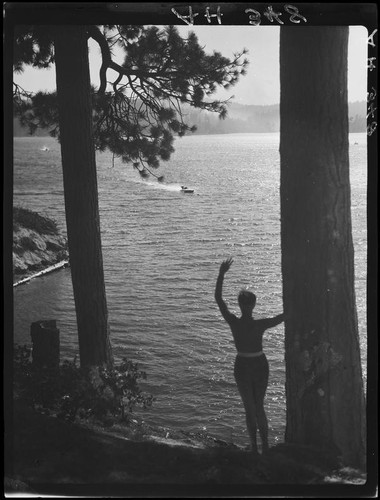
[25, 244]
[69, 393]
[34, 221]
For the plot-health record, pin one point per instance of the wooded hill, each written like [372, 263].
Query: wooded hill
[252, 118]
[241, 118]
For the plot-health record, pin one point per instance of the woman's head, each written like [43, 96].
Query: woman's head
[247, 301]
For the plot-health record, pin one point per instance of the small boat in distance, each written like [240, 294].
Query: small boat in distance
[185, 189]
[45, 148]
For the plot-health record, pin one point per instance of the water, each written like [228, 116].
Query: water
[162, 250]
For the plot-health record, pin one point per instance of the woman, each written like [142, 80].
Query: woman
[251, 366]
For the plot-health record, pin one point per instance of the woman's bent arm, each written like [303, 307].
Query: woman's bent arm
[276, 320]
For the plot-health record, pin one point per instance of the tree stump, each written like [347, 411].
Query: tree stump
[45, 339]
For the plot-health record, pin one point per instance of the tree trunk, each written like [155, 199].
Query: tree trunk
[45, 340]
[324, 387]
[81, 194]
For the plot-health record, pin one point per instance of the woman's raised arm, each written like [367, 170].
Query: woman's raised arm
[224, 267]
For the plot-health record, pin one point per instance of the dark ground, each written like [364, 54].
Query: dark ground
[48, 455]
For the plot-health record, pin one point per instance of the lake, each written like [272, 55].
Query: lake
[162, 250]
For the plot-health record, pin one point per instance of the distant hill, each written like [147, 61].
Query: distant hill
[253, 118]
[241, 118]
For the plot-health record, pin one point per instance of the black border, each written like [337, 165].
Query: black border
[317, 14]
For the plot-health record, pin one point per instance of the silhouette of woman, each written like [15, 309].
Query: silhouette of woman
[251, 368]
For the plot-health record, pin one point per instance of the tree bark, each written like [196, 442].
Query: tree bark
[45, 340]
[81, 194]
[324, 387]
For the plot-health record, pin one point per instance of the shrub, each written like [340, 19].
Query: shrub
[32, 220]
[27, 243]
[69, 392]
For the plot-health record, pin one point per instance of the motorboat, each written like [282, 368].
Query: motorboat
[185, 189]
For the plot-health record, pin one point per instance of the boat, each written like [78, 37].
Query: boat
[185, 189]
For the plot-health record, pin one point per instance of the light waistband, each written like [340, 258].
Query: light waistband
[250, 354]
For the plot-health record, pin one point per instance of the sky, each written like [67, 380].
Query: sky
[261, 85]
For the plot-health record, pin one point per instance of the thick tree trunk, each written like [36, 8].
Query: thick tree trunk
[81, 194]
[324, 388]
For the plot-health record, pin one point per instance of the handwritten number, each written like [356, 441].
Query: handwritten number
[371, 96]
[371, 128]
[271, 15]
[291, 9]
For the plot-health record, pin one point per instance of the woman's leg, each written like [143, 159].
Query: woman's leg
[261, 384]
[250, 417]
[263, 427]
[245, 387]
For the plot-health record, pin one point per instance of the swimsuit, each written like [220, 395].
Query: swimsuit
[251, 373]
[250, 354]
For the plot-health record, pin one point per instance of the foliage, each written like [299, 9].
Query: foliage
[69, 392]
[33, 45]
[36, 111]
[34, 221]
[27, 244]
[136, 115]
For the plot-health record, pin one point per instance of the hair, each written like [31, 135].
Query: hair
[246, 298]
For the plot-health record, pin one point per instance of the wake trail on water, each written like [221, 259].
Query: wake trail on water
[165, 187]
[162, 186]
[158, 185]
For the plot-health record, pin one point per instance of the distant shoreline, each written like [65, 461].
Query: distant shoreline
[186, 136]
[241, 118]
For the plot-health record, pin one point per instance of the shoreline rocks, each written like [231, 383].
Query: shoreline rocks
[37, 244]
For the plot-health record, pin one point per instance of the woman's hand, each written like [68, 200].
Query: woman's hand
[225, 265]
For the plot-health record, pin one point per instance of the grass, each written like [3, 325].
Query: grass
[32, 220]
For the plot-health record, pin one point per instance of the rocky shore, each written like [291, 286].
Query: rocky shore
[37, 244]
